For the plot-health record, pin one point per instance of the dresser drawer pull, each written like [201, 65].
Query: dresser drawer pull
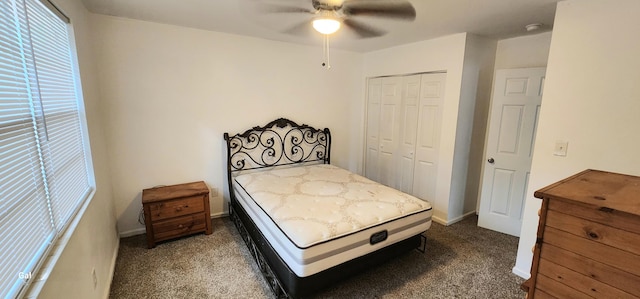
[606, 210]
[180, 208]
[593, 235]
[188, 227]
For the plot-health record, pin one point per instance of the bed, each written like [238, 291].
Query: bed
[309, 224]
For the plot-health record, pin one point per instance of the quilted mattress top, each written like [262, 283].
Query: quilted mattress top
[316, 203]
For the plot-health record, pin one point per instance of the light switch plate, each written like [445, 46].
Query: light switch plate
[561, 148]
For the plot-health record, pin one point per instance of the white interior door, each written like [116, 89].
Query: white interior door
[432, 87]
[514, 113]
[389, 129]
[408, 132]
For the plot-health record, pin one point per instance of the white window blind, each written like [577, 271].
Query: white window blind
[43, 168]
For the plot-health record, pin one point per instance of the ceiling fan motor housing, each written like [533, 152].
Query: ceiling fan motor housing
[326, 5]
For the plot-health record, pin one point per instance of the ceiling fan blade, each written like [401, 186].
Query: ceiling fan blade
[302, 28]
[272, 8]
[397, 10]
[362, 30]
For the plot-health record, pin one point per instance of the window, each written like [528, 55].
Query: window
[45, 173]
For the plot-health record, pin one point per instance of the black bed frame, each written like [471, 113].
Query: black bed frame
[279, 143]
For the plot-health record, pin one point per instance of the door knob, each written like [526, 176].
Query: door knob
[491, 160]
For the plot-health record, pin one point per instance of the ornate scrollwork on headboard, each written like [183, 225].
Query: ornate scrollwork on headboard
[280, 142]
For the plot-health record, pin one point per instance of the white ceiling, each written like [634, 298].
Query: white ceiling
[497, 19]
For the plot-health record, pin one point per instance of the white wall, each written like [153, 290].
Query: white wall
[171, 92]
[94, 243]
[523, 51]
[479, 60]
[591, 100]
[440, 54]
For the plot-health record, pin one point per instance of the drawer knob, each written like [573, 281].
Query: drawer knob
[592, 235]
[533, 249]
[178, 209]
[539, 212]
[606, 210]
[188, 226]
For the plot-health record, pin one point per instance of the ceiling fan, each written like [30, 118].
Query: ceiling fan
[327, 16]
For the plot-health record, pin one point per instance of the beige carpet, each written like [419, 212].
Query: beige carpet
[462, 261]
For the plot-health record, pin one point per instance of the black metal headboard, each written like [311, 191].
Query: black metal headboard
[280, 142]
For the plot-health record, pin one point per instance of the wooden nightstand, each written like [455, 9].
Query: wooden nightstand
[175, 211]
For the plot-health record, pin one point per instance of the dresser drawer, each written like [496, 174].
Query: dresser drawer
[179, 226]
[609, 217]
[176, 207]
[554, 289]
[594, 231]
[577, 281]
[591, 269]
[590, 249]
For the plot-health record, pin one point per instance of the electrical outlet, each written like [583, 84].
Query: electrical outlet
[214, 192]
[561, 148]
[95, 278]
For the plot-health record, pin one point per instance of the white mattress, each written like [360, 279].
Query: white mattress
[319, 216]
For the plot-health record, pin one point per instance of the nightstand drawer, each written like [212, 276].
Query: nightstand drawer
[179, 226]
[176, 207]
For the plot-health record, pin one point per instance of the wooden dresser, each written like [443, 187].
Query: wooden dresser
[588, 243]
[175, 211]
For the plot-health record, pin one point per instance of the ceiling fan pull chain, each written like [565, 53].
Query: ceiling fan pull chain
[328, 53]
[325, 49]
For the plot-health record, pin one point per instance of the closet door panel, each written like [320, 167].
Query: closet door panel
[428, 135]
[410, 114]
[389, 130]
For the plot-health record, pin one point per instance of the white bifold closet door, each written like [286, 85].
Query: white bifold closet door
[404, 114]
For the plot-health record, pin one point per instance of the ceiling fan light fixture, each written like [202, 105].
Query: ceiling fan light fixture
[326, 25]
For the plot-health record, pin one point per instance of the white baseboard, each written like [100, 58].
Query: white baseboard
[438, 220]
[133, 232]
[452, 221]
[523, 274]
[220, 215]
[142, 230]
